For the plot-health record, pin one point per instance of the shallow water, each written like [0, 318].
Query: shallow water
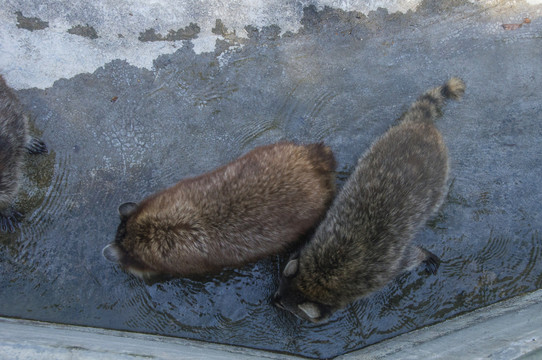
[122, 133]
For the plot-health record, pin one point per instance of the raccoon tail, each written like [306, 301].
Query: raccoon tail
[428, 107]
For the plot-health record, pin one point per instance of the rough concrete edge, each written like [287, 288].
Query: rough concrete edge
[495, 328]
[28, 339]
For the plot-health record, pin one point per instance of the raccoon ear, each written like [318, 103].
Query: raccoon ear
[126, 209]
[310, 309]
[295, 255]
[291, 268]
[112, 253]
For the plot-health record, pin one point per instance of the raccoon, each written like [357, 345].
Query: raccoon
[364, 240]
[14, 141]
[255, 206]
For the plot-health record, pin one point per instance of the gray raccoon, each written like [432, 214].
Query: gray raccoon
[14, 141]
[365, 238]
[255, 206]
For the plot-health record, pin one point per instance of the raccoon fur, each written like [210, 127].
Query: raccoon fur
[365, 238]
[253, 207]
[14, 142]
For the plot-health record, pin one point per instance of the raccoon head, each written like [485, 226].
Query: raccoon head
[116, 253]
[290, 298]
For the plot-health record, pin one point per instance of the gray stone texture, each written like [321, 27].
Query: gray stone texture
[121, 133]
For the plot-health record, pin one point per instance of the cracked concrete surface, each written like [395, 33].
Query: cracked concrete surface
[124, 118]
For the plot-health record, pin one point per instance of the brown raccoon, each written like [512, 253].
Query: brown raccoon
[14, 141]
[365, 239]
[252, 207]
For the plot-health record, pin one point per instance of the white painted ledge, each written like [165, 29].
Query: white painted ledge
[510, 329]
[24, 339]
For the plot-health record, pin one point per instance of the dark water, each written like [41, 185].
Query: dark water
[121, 133]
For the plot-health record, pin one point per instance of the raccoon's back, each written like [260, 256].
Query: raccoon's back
[403, 177]
[255, 206]
[395, 187]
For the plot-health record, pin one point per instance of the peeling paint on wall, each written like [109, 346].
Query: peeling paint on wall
[138, 31]
[84, 31]
[30, 23]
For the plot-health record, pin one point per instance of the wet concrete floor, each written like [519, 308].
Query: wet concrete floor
[122, 132]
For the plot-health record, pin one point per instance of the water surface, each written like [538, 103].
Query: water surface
[122, 133]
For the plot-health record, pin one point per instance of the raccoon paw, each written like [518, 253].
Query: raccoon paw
[36, 146]
[10, 220]
[431, 262]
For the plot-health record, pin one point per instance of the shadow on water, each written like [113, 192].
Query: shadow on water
[122, 133]
[33, 200]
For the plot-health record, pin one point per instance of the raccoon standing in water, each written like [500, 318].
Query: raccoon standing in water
[14, 141]
[253, 207]
[365, 239]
